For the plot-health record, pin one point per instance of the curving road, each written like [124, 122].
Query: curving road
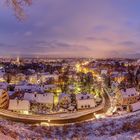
[53, 118]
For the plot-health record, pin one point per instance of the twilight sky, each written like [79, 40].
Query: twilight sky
[97, 28]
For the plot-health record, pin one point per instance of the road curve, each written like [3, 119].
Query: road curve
[52, 118]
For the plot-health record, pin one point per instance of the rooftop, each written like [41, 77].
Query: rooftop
[129, 92]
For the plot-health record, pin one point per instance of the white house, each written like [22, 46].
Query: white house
[50, 87]
[135, 106]
[47, 99]
[104, 72]
[45, 76]
[22, 106]
[127, 96]
[26, 87]
[85, 101]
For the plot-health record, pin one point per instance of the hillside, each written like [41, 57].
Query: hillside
[124, 127]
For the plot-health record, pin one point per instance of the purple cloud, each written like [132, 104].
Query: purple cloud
[92, 28]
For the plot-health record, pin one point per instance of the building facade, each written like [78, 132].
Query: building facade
[85, 101]
[4, 99]
[127, 96]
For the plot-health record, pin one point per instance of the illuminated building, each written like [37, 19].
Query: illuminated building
[33, 79]
[22, 106]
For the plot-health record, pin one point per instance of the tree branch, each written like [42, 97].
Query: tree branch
[18, 6]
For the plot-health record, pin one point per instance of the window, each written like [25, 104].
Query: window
[124, 107]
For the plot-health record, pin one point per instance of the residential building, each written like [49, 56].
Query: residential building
[45, 76]
[50, 87]
[135, 106]
[33, 79]
[85, 100]
[4, 99]
[22, 106]
[42, 99]
[64, 100]
[127, 96]
[4, 85]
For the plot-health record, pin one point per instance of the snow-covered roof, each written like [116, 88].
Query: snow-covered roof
[71, 87]
[3, 85]
[85, 100]
[84, 96]
[50, 86]
[135, 106]
[129, 92]
[33, 76]
[115, 72]
[91, 102]
[62, 95]
[19, 105]
[26, 86]
[23, 87]
[20, 74]
[48, 74]
[103, 71]
[40, 98]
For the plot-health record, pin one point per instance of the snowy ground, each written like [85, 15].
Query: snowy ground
[126, 127]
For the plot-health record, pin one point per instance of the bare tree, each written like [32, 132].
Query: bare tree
[18, 6]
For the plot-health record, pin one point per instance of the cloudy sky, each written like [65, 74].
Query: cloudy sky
[95, 28]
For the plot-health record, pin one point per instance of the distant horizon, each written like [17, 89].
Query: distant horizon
[64, 57]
